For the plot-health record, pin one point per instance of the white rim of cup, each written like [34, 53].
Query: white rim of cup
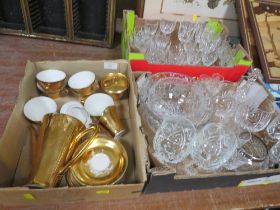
[36, 108]
[83, 115]
[81, 80]
[97, 103]
[69, 104]
[80, 114]
[51, 75]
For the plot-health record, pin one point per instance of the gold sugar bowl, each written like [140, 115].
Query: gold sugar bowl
[115, 84]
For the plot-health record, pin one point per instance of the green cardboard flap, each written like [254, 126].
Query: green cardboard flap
[215, 26]
[127, 31]
[130, 18]
[136, 56]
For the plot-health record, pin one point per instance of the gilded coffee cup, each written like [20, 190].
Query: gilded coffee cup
[51, 82]
[83, 84]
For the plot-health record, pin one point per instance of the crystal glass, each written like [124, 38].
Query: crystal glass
[162, 42]
[171, 142]
[186, 32]
[214, 146]
[193, 54]
[243, 89]
[198, 32]
[167, 96]
[156, 53]
[175, 54]
[213, 83]
[236, 161]
[162, 38]
[254, 120]
[150, 28]
[167, 26]
[274, 153]
[208, 59]
[172, 96]
[142, 38]
[149, 80]
[209, 41]
[202, 104]
[243, 138]
[152, 120]
[273, 129]
[143, 83]
[137, 39]
[226, 54]
[225, 105]
[251, 156]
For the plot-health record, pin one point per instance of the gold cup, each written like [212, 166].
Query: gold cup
[111, 120]
[97, 161]
[115, 84]
[51, 82]
[59, 135]
[83, 84]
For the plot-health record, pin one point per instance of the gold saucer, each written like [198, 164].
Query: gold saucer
[81, 173]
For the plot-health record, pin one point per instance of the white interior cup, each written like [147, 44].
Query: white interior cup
[81, 80]
[36, 108]
[68, 105]
[97, 103]
[76, 110]
[51, 75]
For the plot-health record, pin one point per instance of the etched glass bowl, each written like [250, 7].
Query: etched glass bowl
[213, 146]
[171, 142]
[254, 119]
[173, 96]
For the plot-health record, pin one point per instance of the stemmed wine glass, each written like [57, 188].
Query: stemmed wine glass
[226, 54]
[162, 38]
[143, 37]
[185, 32]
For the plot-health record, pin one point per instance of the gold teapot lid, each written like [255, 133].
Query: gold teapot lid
[114, 83]
[104, 161]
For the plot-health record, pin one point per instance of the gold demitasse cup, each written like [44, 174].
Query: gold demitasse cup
[115, 84]
[51, 82]
[97, 161]
[83, 84]
[111, 120]
[59, 135]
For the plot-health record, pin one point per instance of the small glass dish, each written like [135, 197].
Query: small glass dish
[214, 146]
[254, 119]
[171, 142]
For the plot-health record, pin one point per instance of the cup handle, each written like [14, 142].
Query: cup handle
[95, 130]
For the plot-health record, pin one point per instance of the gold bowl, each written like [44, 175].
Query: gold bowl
[115, 84]
[103, 161]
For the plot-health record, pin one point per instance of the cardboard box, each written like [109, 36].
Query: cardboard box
[162, 178]
[15, 143]
[138, 62]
